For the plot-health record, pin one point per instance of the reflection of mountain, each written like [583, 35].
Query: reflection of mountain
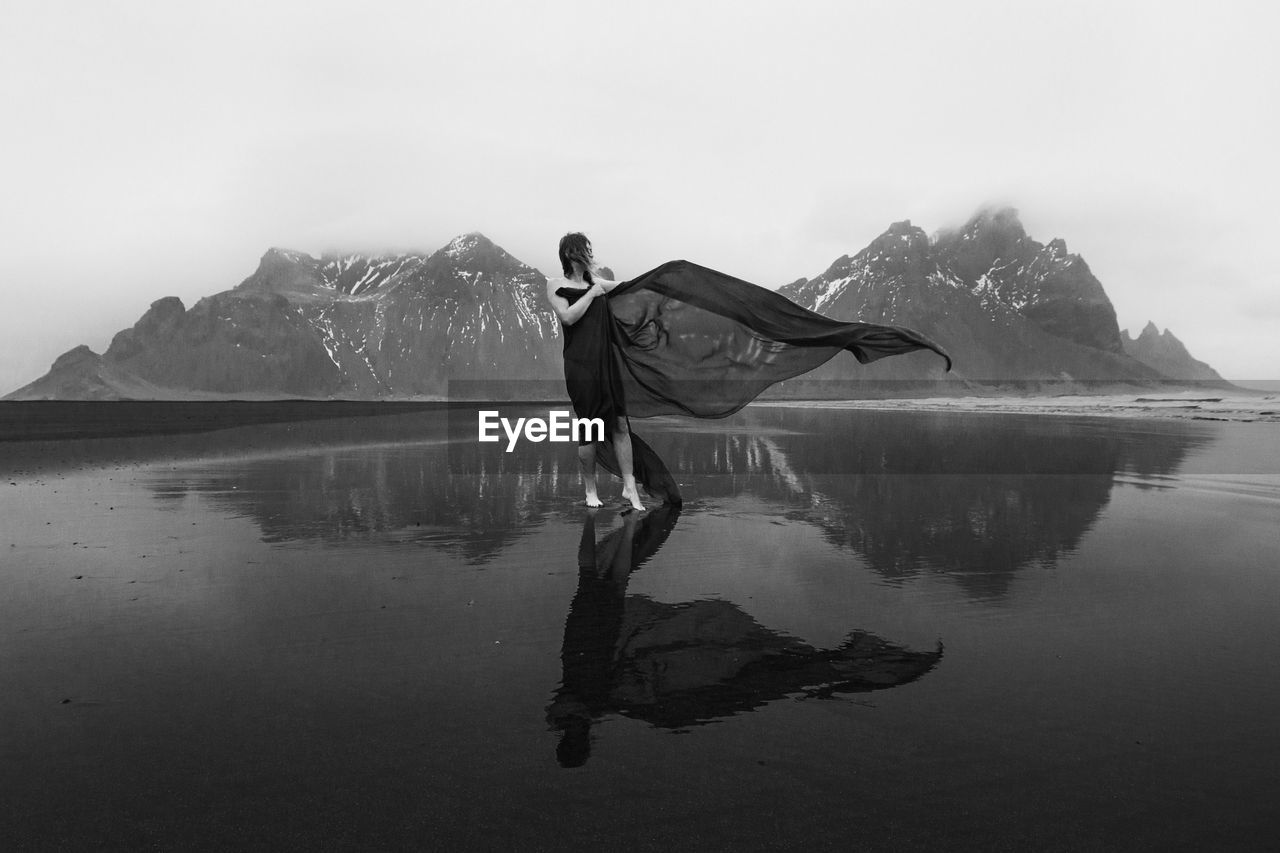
[678, 665]
[975, 496]
[456, 498]
[980, 530]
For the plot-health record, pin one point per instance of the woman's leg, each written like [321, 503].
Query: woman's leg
[587, 461]
[622, 448]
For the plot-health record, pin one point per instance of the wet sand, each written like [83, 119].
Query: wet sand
[1208, 404]
[878, 630]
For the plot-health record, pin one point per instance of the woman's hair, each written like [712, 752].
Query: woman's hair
[576, 247]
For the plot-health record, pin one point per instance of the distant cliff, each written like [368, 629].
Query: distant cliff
[1165, 353]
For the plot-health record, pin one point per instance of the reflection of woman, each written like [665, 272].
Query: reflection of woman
[684, 339]
[594, 624]
[677, 665]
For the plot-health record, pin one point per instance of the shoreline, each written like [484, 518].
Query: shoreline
[24, 424]
[1198, 406]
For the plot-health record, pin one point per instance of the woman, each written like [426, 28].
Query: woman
[688, 340]
[590, 364]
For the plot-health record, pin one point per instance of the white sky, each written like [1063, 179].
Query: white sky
[159, 148]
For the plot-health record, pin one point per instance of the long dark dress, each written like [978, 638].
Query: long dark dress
[593, 377]
[684, 339]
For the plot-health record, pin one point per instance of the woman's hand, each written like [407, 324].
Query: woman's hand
[596, 290]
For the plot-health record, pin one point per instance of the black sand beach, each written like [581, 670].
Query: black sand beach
[294, 627]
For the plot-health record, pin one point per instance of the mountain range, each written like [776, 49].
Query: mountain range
[1010, 310]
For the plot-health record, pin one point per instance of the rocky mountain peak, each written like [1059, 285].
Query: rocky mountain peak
[904, 235]
[165, 308]
[284, 270]
[276, 254]
[994, 258]
[160, 320]
[988, 236]
[1002, 220]
[72, 357]
[469, 242]
[474, 253]
[1167, 354]
[470, 247]
[276, 261]
[1151, 335]
[901, 245]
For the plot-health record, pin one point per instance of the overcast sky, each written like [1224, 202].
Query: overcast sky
[159, 148]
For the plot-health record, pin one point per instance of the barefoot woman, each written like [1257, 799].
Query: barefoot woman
[590, 366]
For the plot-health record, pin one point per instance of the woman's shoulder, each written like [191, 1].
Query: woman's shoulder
[555, 286]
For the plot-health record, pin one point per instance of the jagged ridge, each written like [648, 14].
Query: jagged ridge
[1006, 306]
[406, 325]
[1167, 354]
[346, 326]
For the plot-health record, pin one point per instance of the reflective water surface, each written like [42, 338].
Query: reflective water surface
[866, 630]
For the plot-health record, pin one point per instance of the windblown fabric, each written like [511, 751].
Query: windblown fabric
[683, 339]
[694, 341]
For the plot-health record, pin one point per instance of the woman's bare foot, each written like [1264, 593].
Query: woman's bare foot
[593, 500]
[633, 497]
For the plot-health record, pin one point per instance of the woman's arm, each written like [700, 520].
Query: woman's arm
[570, 314]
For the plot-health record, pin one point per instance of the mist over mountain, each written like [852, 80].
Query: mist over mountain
[1008, 308]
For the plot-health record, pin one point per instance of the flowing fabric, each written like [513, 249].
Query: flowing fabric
[694, 341]
[687, 340]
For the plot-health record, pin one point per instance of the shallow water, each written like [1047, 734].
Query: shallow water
[870, 630]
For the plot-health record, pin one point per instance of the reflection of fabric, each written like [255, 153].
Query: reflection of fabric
[683, 664]
[666, 648]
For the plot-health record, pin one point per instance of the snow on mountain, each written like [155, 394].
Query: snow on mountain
[1007, 308]
[349, 326]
